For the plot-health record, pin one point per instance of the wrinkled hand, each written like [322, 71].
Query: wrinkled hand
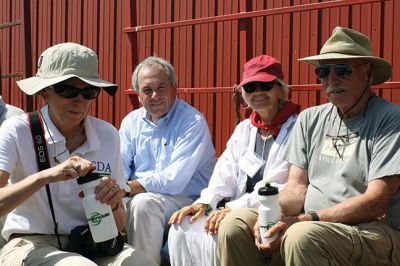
[279, 228]
[109, 192]
[214, 219]
[71, 168]
[196, 210]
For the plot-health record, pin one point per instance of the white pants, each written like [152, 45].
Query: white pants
[189, 245]
[148, 215]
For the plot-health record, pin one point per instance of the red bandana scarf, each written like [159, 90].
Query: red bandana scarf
[288, 109]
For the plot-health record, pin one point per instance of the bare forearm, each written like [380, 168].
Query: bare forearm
[291, 201]
[292, 198]
[355, 210]
[120, 216]
[12, 196]
[365, 207]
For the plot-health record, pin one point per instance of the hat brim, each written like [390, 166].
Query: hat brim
[382, 68]
[33, 85]
[263, 77]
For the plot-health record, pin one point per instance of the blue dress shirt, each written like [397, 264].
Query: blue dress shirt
[175, 156]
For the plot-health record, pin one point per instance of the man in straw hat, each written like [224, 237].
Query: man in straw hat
[342, 202]
[76, 144]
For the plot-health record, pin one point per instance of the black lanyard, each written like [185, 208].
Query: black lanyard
[42, 159]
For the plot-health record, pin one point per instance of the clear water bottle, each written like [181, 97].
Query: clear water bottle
[99, 216]
[269, 212]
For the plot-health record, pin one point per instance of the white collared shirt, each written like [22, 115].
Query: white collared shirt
[229, 181]
[17, 157]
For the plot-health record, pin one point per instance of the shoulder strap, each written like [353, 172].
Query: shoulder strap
[42, 158]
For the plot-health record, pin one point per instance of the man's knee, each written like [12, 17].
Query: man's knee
[237, 222]
[143, 204]
[301, 236]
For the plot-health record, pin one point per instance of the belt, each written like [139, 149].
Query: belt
[17, 235]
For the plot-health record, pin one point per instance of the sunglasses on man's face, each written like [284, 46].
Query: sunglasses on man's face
[264, 86]
[69, 92]
[341, 70]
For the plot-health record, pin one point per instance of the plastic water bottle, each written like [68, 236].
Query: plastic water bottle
[269, 212]
[99, 216]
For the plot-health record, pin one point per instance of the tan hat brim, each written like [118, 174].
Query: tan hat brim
[382, 68]
[33, 85]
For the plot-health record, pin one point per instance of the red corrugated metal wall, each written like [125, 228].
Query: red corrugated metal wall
[207, 41]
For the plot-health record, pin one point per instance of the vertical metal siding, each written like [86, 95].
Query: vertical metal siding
[207, 41]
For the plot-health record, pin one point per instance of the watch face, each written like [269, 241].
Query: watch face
[128, 190]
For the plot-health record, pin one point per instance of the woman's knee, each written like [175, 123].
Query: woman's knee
[175, 235]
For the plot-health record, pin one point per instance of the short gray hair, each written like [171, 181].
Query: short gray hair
[154, 61]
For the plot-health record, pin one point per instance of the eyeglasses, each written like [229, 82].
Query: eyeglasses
[264, 86]
[69, 92]
[341, 142]
[341, 70]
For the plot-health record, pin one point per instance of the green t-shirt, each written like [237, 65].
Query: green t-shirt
[341, 161]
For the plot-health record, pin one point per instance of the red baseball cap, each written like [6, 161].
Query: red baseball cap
[263, 68]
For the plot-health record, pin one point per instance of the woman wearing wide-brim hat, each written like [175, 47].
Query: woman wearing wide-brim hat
[77, 143]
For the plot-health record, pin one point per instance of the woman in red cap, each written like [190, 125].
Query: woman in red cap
[253, 156]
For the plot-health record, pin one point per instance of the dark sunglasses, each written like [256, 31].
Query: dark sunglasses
[69, 92]
[341, 70]
[264, 86]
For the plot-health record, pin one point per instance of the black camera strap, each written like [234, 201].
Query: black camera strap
[42, 159]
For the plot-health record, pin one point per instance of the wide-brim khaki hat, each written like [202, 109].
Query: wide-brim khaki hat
[349, 44]
[64, 61]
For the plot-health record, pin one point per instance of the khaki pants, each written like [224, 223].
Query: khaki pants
[236, 246]
[43, 250]
[324, 243]
[310, 243]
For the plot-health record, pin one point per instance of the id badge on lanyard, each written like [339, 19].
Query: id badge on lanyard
[251, 164]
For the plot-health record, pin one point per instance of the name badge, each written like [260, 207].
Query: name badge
[251, 164]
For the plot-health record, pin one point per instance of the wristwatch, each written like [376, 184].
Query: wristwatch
[127, 190]
[314, 215]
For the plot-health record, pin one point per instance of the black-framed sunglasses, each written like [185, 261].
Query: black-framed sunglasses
[252, 86]
[69, 92]
[341, 70]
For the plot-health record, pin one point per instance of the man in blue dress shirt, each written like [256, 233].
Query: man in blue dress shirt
[167, 152]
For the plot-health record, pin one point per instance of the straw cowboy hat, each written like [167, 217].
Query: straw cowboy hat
[349, 44]
[64, 61]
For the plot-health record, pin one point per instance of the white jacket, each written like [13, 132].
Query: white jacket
[229, 182]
